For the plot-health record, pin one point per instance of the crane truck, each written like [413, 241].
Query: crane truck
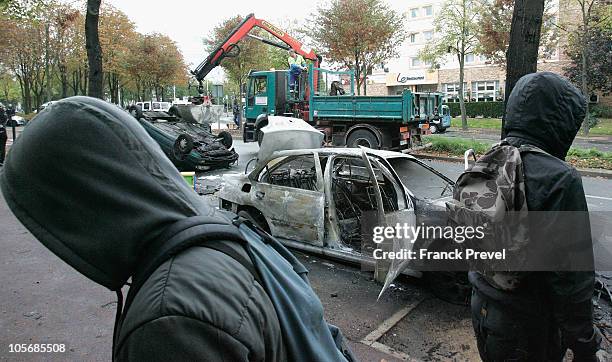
[380, 122]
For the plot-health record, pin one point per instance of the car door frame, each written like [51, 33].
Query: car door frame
[302, 224]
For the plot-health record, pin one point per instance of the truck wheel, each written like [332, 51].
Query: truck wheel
[433, 128]
[135, 111]
[226, 139]
[362, 137]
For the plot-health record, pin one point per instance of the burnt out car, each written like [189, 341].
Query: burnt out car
[325, 200]
[190, 146]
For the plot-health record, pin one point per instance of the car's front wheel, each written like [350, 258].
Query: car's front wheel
[433, 128]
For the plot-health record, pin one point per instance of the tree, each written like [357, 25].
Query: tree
[456, 33]
[358, 34]
[599, 47]
[155, 64]
[117, 35]
[64, 20]
[94, 50]
[522, 54]
[494, 34]
[594, 20]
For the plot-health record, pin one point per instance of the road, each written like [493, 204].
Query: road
[43, 300]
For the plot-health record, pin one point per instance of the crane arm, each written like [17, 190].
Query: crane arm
[230, 47]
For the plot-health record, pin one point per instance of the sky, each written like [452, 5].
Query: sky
[187, 22]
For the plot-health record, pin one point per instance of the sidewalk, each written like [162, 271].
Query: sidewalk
[599, 142]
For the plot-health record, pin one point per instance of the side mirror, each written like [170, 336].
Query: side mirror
[246, 168]
[466, 158]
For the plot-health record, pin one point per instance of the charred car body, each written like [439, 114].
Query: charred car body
[324, 200]
[191, 146]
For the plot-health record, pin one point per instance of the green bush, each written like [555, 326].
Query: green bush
[456, 146]
[601, 111]
[474, 109]
[592, 117]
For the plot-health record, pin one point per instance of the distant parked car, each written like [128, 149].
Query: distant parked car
[442, 122]
[16, 121]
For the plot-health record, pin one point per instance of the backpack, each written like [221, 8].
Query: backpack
[283, 277]
[491, 194]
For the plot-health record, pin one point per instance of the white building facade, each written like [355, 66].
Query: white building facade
[482, 81]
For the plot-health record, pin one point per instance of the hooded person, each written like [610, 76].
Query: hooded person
[3, 134]
[95, 189]
[551, 311]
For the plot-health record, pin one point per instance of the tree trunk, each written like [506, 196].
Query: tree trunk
[522, 54]
[365, 80]
[94, 50]
[464, 122]
[584, 65]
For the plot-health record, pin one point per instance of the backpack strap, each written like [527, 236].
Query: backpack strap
[193, 231]
[531, 148]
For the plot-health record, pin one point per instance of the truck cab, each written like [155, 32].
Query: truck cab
[267, 93]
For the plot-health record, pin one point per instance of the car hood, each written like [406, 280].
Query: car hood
[546, 110]
[91, 185]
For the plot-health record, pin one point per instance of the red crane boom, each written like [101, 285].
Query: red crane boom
[230, 47]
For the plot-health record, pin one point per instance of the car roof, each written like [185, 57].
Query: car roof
[343, 151]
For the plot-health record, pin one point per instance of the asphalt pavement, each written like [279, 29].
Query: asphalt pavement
[43, 300]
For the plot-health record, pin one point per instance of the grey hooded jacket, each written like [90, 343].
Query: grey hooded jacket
[90, 184]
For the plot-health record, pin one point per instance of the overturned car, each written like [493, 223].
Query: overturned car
[325, 200]
[190, 146]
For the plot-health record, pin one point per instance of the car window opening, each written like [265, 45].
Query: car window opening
[297, 172]
[353, 194]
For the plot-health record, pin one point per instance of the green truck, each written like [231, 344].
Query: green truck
[379, 122]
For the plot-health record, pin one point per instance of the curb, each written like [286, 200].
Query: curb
[589, 172]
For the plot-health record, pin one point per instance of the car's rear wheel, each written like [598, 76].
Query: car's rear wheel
[182, 146]
[255, 217]
[226, 139]
[173, 111]
[135, 111]
[433, 128]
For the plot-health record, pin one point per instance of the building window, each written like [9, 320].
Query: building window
[485, 91]
[413, 38]
[427, 35]
[451, 92]
[469, 58]
[415, 62]
[414, 13]
[428, 10]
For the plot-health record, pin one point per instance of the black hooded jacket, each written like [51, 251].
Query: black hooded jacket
[546, 111]
[91, 185]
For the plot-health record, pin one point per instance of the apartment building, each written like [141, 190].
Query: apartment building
[483, 81]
